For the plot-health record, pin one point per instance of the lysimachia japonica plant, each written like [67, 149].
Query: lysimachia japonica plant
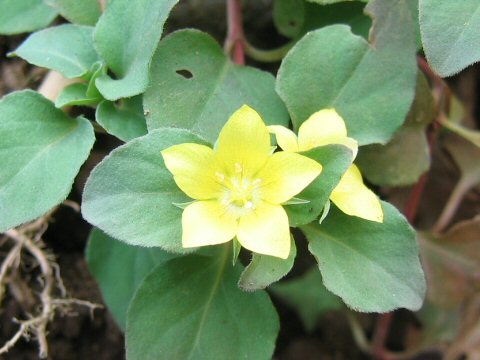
[193, 214]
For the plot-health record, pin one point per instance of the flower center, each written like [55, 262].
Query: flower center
[241, 194]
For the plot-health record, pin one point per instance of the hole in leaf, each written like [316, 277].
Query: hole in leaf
[292, 23]
[185, 73]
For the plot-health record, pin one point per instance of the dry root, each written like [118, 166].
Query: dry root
[25, 245]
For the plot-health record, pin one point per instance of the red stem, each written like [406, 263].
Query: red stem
[235, 36]
[380, 336]
[382, 327]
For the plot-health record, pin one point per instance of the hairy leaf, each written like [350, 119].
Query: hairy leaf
[191, 308]
[370, 85]
[41, 152]
[119, 269]
[130, 195]
[450, 34]
[373, 267]
[125, 121]
[67, 49]
[195, 86]
[126, 37]
[18, 16]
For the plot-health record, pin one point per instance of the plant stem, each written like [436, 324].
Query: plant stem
[380, 336]
[272, 55]
[383, 324]
[235, 37]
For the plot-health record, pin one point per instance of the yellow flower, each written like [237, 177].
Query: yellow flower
[239, 187]
[327, 127]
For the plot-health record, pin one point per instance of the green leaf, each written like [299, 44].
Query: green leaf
[371, 85]
[195, 86]
[373, 267]
[294, 18]
[264, 270]
[41, 152]
[191, 308]
[130, 195]
[119, 269]
[76, 94]
[452, 263]
[335, 160]
[67, 49]
[413, 5]
[407, 156]
[18, 16]
[84, 12]
[126, 37]
[125, 121]
[307, 295]
[450, 34]
[289, 17]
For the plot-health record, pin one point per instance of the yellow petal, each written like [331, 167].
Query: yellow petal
[322, 128]
[244, 143]
[354, 198]
[285, 175]
[286, 138]
[193, 169]
[265, 231]
[207, 223]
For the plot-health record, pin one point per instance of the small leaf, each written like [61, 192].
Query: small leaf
[19, 16]
[307, 295]
[264, 270]
[373, 267]
[335, 160]
[41, 153]
[130, 194]
[191, 308]
[332, 67]
[294, 18]
[67, 49]
[126, 37]
[119, 269]
[450, 34]
[75, 94]
[452, 263]
[204, 101]
[125, 121]
[84, 12]
[406, 156]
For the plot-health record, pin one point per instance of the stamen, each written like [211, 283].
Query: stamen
[238, 168]
[220, 177]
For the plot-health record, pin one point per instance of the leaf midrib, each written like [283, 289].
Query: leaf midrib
[67, 134]
[215, 286]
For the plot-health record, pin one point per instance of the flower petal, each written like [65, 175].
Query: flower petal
[244, 143]
[207, 223]
[321, 128]
[354, 198]
[265, 231]
[193, 169]
[286, 138]
[285, 175]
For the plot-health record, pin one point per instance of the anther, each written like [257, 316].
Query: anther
[220, 177]
[238, 168]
